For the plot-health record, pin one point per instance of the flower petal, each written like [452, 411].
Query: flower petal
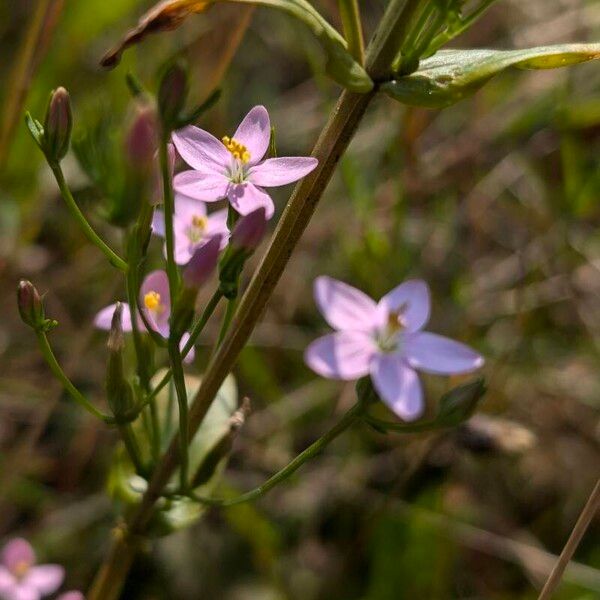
[157, 281]
[72, 595]
[342, 355]
[343, 306]
[158, 223]
[103, 319]
[398, 386]
[440, 355]
[246, 197]
[412, 299]
[189, 357]
[46, 579]
[217, 224]
[187, 208]
[254, 132]
[206, 187]
[20, 591]
[280, 171]
[201, 150]
[16, 552]
[7, 581]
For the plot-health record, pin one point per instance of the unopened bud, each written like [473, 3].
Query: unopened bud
[30, 304]
[141, 140]
[202, 264]
[58, 125]
[118, 391]
[249, 230]
[171, 95]
[459, 404]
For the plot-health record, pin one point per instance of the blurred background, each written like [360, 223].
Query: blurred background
[493, 201]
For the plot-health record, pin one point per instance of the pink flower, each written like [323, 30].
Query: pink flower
[384, 340]
[192, 228]
[21, 578]
[73, 595]
[155, 301]
[233, 168]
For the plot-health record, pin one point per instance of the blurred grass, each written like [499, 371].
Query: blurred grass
[494, 202]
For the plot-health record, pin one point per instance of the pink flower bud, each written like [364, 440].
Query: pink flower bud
[141, 140]
[58, 125]
[202, 263]
[171, 95]
[30, 304]
[250, 230]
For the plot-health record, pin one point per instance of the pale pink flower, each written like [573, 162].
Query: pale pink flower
[233, 168]
[72, 595]
[155, 301]
[384, 340]
[192, 227]
[21, 578]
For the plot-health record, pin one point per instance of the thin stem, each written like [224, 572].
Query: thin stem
[169, 203]
[589, 510]
[182, 401]
[352, 26]
[133, 448]
[194, 333]
[348, 419]
[88, 230]
[56, 369]
[229, 312]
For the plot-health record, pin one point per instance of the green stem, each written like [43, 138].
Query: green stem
[133, 449]
[88, 230]
[194, 333]
[229, 312]
[56, 369]
[352, 26]
[348, 419]
[169, 203]
[182, 401]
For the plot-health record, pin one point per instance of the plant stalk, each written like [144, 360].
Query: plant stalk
[352, 26]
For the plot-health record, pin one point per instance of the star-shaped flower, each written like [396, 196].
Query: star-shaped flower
[385, 340]
[234, 167]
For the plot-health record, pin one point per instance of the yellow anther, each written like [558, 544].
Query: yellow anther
[238, 150]
[21, 568]
[199, 221]
[152, 301]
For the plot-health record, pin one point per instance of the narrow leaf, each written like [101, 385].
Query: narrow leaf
[451, 75]
[170, 14]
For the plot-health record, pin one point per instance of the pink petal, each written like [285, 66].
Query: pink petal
[412, 299]
[343, 306]
[16, 552]
[280, 171]
[189, 357]
[398, 386]
[7, 581]
[254, 132]
[201, 150]
[206, 187]
[46, 579]
[342, 355]
[217, 224]
[246, 198]
[103, 320]
[186, 208]
[157, 281]
[440, 355]
[72, 595]
[22, 592]
[158, 223]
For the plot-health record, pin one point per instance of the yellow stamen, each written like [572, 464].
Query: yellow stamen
[152, 301]
[20, 569]
[199, 221]
[237, 149]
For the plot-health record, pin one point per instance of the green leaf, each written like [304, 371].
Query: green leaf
[451, 75]
[127, 487]
[460, 403]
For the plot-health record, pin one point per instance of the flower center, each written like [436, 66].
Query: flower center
[389, 337]
[21, 568]
[152, 302]
[197, 229]
[237, 149]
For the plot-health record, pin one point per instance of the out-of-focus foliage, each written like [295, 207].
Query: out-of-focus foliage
[494, 201]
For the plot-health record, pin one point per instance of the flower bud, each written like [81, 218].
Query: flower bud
[202, 263]
[141, 140]
[118, 391]
[171, 95]
[58, 125]
[30, 304]
[249, 230]
[459, 404]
